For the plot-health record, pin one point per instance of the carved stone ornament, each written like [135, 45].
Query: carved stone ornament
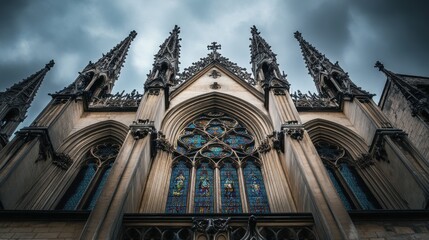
[163, 144]
[141, 128]
[377, 147]
[215, 74]
[264, 146]
[312, 101]
[118, 100]
[210, 226]
[364, 161]
[62, 161]
[252, 232]
[215, 85]
[293, 129]
[211, 58]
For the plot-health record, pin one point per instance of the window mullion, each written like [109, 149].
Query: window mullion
[191, 196]
[217, 187]
[346, 187]
[242, 186]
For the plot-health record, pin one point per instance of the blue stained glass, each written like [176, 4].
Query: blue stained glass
[230, 195]
[255, 188]
[203, 202]
[237, 141]
[191, 125]
[77, 189]
[99, 188]
[178, 191]
[215, 130]
[340, 190]
[194, 141]
[215, 152]
[228, 122]
[360, 190]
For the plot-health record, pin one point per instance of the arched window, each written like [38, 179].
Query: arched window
[349, 185]
[216, 169]
[89, 182]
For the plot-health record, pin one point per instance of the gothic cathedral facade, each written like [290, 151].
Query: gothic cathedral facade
[216, 152]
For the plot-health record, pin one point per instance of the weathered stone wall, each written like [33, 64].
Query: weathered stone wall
[397, 109]
[40, 230]
[380, 230]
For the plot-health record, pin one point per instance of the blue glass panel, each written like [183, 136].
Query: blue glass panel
[93, 199]
[77, 189]
[194, 141]
[215, 152]
[360, 190]
[215, 130]
[237, 141]
[204, 189]
[178, 191]
[231, 201]
[255, 188]
[191, 125]
[181, 149]
[340, 190]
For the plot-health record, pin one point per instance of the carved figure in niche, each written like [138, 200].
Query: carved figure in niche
[229, 186]
[204, 184]
[179, 185]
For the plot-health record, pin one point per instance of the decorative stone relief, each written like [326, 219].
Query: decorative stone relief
[377, 147]
[293, 129]
[364, 161]
[62, 161]
[141, 128]
[252, 232]
[163, 144]
[210, 226]
[118, 100]
[215, 85]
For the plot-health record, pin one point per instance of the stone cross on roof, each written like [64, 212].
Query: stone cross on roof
[214, 46]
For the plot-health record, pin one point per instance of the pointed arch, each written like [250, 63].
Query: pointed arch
[339, 148]
[93, 150]
[325, 130]
[252, 117]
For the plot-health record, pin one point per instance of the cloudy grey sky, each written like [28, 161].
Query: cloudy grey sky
[355, 33]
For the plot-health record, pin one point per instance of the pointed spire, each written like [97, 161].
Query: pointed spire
[16, 100]
[330, 79]
[166, 64]
[25, 91]
[417, 99]
[264, 66]
[99, 77]
[112, 62]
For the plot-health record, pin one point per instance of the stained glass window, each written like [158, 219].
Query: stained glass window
[89, 182]
[231, 201]
[256, 194]
[350, 187]
[78, 188]
[217, 143]
[358, 187]
[204, 189]
[178, 192]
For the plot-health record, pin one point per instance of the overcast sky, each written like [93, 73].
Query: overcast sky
[355, 33]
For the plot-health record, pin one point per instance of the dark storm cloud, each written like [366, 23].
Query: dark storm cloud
[355, 33]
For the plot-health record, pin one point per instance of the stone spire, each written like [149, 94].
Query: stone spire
[330, 79]
[166, 64]
[264, 66]
[417, 99]
[98, 79]
[16, 100]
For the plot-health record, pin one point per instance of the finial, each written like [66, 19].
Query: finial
[50, 64]
[379, 65]
[254, 30]
[133, 34]
[214, 46]
[297, 35]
